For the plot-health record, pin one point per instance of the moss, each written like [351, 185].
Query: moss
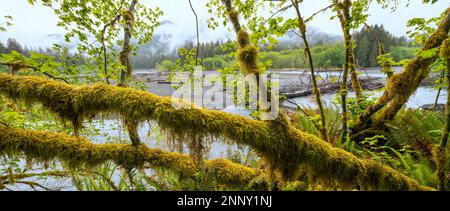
[128, 16]
[247, 54]
[402, 85]
[283, 146]
[227, 172]
[248, 59]
[132, 128]
[243, 39]
[354, 77]
[233, 15]
[445, 49]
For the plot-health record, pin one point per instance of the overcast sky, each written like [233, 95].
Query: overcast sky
[33, 24]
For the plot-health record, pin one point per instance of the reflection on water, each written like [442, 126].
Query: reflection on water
[151, 136]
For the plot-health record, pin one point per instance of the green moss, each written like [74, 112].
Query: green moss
[128, 16]
[445, 49]
[248, 59]
[233, 15]
[243, 39]
[125, 60]
[227, 172]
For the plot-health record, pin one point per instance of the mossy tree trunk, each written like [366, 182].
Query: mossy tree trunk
[386, 66]
[247, 54]
[344, 14]
[125, 54]
[350, 61]
[82, 153]
[125, 60]
[442, 159]
[316, 91]
[402, 85]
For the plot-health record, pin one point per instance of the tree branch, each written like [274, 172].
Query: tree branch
[21, 65]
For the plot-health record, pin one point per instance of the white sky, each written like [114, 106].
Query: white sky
[33, 24]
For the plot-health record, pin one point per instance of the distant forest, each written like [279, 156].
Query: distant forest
[328, 51]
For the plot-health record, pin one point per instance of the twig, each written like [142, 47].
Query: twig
[322, 10]
[198, 35]
[280, 10]
[33, 184]
[35, 69]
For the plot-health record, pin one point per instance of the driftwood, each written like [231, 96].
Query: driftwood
[367, 84]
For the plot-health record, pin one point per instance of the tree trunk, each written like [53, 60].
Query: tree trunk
[350, 60]
[125, 54]
[125, 60]
[247, 54]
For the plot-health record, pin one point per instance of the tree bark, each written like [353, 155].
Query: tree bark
[316, 91]
[125, 54]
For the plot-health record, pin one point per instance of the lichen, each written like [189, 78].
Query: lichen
[354, 77]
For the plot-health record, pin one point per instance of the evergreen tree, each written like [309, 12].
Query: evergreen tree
[13, 45]
[366, 51]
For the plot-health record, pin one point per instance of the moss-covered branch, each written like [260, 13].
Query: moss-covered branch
[125, 54]
[78, 152]
[285, 147]
[441, 157]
